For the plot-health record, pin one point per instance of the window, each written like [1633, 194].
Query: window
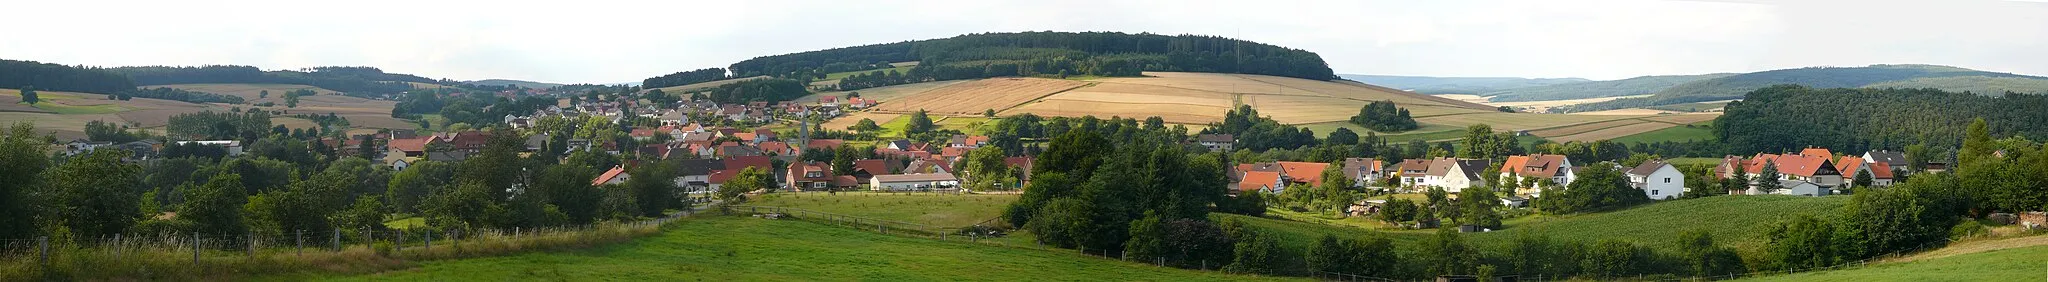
[1667, 180]
[1653, 192]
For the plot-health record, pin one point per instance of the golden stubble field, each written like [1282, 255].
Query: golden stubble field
[65, 114]
[975, 97]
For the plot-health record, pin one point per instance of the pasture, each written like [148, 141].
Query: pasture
[731, 248]
[678, 89]
[883, 94]
[2015, 264]
[933, 209]
[1671, 134]
[974, 97]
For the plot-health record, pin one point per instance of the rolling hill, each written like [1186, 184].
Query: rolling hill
[1457, 85]
[1895, 76]
[1596, 89]
[520, 83]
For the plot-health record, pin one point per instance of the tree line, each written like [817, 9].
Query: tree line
[54, 77]
[345, 79]
[1790, 117]
[1146, 51]
[758, 90]
[684, 78]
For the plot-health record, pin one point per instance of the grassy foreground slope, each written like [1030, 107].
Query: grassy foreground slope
[1734, 220]
[2020, 264]
[939, 210]
[753, 249]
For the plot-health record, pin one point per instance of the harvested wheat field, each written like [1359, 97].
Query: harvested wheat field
[1611, 132]
[1625, 112]
[1171, 113]
[1584, 127]
[850, 119]
[974, 97]
[882, 94]
[1517, 121]
[64, 127]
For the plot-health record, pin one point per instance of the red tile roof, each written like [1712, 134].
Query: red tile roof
[872, 166]
[1880, 170]
[825, 144]
[1304, 172]
[408, 144]
[1817, 152]
[1257, 180]
[608, 176]
[1537, 165]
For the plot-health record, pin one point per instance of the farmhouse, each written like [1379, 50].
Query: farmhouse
[1217, 142]
[914, 182]
[616, 175]
[1261, 181]
[1362, 171]
[1413, 172]
[1851, 166]
[1894, 159]
[1454, 175]
[234, 147]
[1658, 180]
[1555, 168]
[813, 176]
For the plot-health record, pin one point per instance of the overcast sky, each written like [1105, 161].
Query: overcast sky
[590, 41]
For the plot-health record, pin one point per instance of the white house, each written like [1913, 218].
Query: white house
[1455, 175]
[1556, 168]
[1658, 180]
[1362, 171]
[914, 182]
[234, 146]
[1794, 187]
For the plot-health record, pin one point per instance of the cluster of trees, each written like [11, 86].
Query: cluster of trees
[1789, 117]
[211, 125]
[345, 79]
[684, 78]
[1143, 197]
[1259, 133]
[1383, 116]
[175, 94]
[55, 77]
[1022, 65]
[758, 90]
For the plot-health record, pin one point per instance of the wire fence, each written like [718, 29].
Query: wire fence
[39, 254]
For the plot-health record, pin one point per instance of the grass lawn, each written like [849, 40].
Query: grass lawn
[2019, 264]
[753, 249]
[936, 210]
[1674, 134]
[969, 125]
[1739, 221]
[409, 222]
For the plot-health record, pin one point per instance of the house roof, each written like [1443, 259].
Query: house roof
[1895, 158]
[1472, 168]
[1538, 165]
[825, 144]
[1802, 165]
[775, 147]
[1303, 172]
[1756, 164]
[1355, 166]
[408, 144]
[871, 166]
[798, 171]
[1880, 170]
[447, 156]
[736, 163]
[1216, 138]
[845, 181]
[608, 176]
[917, 177]
[1415, 165]
[1647, 167]
[1257, 180]
[1849, 166]
[690, 167]
[1817, 152]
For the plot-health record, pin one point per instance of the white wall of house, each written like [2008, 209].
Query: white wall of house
[1664, 184]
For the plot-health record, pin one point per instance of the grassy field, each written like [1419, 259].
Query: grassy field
[974, 97]
[1739, 221]
[1672, 134]
[753, 249]
[2018, 264]
[938, 210]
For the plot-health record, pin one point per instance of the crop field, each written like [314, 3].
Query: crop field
[2015, 264]
[850, 119]
[729, 248]
[1611, 132]
[1517, 121]
[1170, 112]
[969, 125]
[883, 94]
[933, 209]
[1684, 118]
[1584, 127]
[65, 113]
[1738, 221]
[974, 97]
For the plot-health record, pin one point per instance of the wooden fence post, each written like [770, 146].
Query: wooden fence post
[337, 240]
[252, 244]
[195, 249]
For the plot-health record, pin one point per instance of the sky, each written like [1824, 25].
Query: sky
[597, 41]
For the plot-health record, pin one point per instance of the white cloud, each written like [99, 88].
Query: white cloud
[612, 41]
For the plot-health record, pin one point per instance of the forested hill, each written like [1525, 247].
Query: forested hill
[1597, 89]
[1457, 85]
[1789, 117]
[1896, 76]
[46, 76]
[1026, 53]
[358, 80]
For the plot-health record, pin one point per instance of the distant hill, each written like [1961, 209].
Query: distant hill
[520, 83]
[1456, 85]
[1597, 89]
[1895, 76]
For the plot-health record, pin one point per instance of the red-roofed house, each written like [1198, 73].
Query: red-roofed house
[616, 175]
[778, 148]
[813, 176]
[1555, 168]
[1267, 181]
[825, 144]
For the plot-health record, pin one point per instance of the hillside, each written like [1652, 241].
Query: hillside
[2015, 264]
[755, 249]
[1456, 85]
[1596, 89]
[1898, 76]
[520, 83]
